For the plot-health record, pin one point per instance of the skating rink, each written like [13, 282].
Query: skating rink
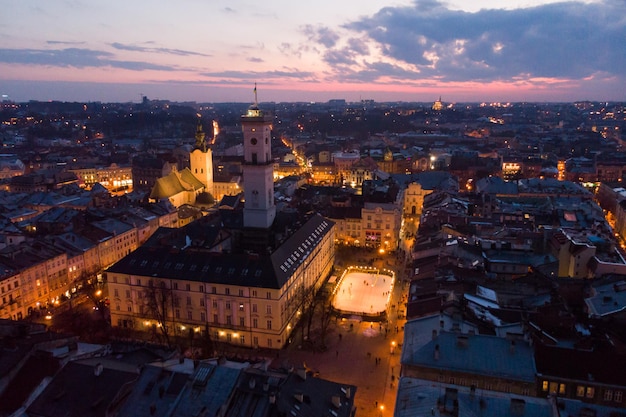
[363, 293]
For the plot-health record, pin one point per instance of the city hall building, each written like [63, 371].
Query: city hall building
[246, 285]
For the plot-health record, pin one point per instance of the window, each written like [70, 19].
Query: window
[127, 293]
[242, 321]
[254, 308]
[580, 391]
[188, 287]
[138, 281]
[202, 317]
[201, 288]
[214, 303]
[608, 395]
[590, 392]
[242, 339]
[188, 301]
[214, 290]
[269, 325]
[175, 285]
[202, 302]
[227, 305]
[240, 306]
[561, 389]
[177, 311]
[241, 293]
[544, 386]
[268, 309]
[116, 293]
[618, 396]
[215, 319]
[129, 308]
[227, 291]
[268, 295]
[255, 341]
[254, 293]
[229, 320]
[255, 323]
[189, 315]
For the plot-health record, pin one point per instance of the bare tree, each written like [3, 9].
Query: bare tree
[158, 302]
[306, 302]
[325, 314]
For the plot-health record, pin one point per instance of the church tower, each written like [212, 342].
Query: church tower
[258, 170]
[201, 160]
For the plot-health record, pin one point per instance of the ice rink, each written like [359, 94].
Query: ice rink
[363, 293]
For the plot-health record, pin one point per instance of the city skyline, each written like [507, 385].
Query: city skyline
[526, 50]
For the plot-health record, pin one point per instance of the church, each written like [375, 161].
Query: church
[184, 187]
[244, 283]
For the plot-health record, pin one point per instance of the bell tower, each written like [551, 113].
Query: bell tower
[201, 160]
[258, 170]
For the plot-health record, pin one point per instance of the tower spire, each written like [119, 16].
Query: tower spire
[200, 142]
[256, 102]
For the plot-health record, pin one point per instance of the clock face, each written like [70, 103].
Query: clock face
[253, 141]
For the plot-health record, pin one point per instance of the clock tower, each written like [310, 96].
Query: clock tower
[258, 170]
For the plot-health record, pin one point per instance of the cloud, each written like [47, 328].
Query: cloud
[74, 57]
[255, 60]
[262, 75]
[137, 48]
[321, 34]
[427, 40]
[65, 42]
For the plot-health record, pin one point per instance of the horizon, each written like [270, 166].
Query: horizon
[402, 50]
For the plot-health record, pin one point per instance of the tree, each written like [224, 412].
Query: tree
[325, 315]
[158, 301]
[306, 302]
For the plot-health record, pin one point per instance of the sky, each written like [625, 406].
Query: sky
[398, 50]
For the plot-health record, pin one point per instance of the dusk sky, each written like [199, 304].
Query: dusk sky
[398, 50]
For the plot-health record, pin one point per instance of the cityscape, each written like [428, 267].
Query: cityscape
[330, 258]
[405, 208]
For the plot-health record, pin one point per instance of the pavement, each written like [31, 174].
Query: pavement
[365, 355]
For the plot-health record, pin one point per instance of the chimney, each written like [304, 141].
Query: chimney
[299, 396]
[517, 407]
[436, 355]
[252, 383]
[434, 334]
[266, 387]
[462, 341]
[272, 398]
[336, 400]
[97, 370]
[346, 392]
[302, 373]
